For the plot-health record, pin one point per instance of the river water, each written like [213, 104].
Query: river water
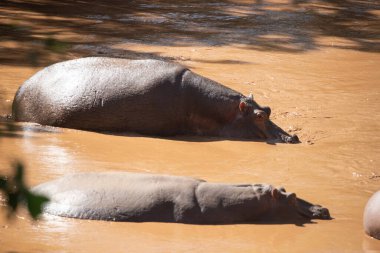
[315, 63]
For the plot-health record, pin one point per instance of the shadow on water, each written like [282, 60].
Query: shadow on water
[11, 129]
[298, 221]
[193, 138]
[293, 26]
[204, 138]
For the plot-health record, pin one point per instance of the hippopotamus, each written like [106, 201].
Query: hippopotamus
[138, 197]
[150, 97]
[371, 218]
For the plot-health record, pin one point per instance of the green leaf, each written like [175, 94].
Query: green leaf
[19, 176]
[35, 203]
[13, 200]
[17, 193]
[3, 183]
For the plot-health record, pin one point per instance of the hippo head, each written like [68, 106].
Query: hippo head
[260, 124]
[287, 204]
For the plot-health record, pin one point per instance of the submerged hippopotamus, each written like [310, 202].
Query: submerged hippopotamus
[372, 216]
[145, 96]
[123, 196]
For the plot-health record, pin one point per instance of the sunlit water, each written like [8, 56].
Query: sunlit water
[315, 64]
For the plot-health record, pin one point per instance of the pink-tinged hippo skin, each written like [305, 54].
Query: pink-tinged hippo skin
[371, 218]
[149, 97]
[123, 196]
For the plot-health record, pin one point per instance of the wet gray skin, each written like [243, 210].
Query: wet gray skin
[123, 196]
[371, 218]
[144, 96]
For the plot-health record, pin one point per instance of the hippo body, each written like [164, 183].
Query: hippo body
[123, 196]
[144, 96]
[371, 217]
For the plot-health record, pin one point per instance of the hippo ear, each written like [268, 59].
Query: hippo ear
[243, 106]
[250, 96]
[275, 193]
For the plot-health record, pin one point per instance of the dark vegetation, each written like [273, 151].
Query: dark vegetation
[13, 189]
[17, 193]
[293, 26]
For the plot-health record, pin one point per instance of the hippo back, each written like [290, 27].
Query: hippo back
[103, 94]
[371, 218]
[121, 196]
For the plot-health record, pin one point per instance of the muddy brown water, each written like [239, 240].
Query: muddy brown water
[315, 63]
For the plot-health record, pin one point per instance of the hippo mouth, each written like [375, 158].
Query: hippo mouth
[270, 131]
[278, 134]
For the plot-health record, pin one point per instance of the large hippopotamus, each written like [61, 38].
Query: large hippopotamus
[145, 96]
[123, 196]
[371, 217]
